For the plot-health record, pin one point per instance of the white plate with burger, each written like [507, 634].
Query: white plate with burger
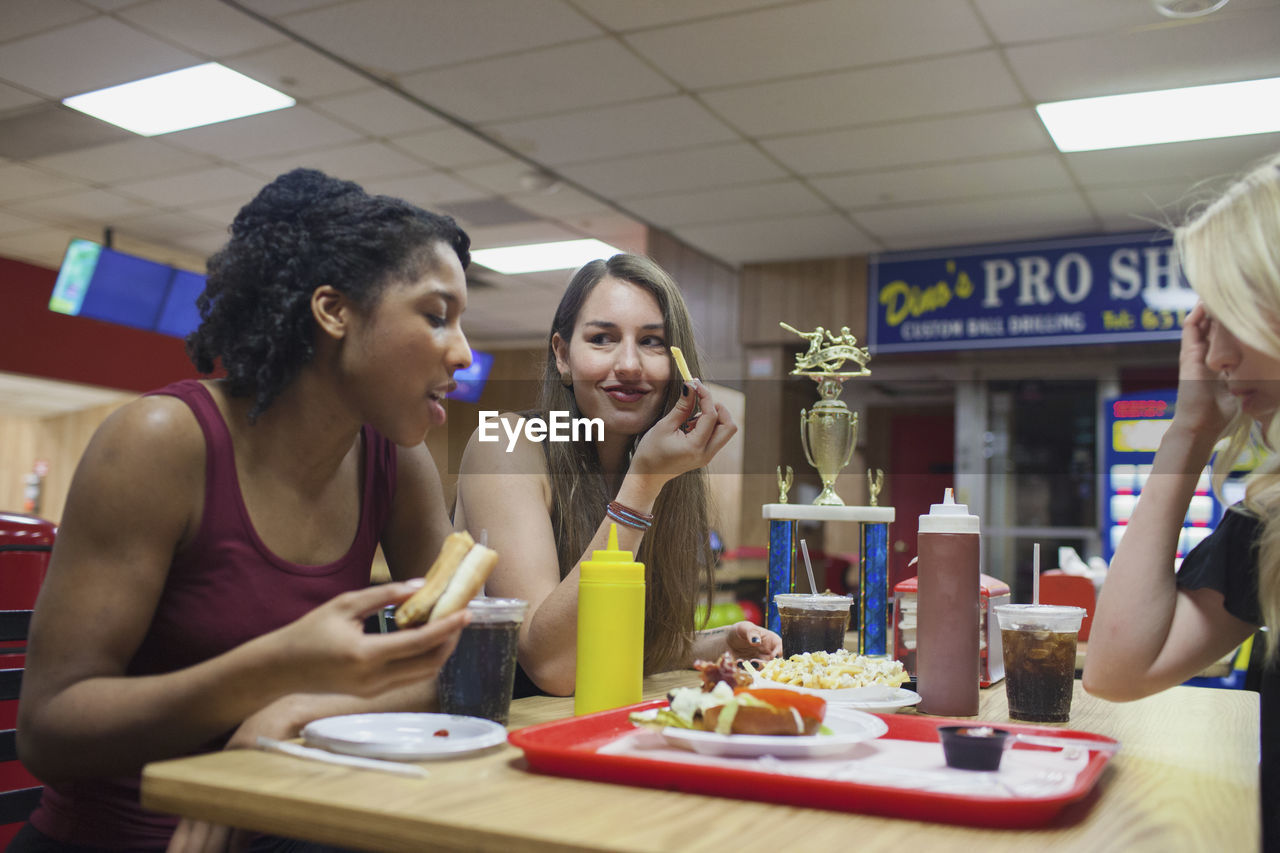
[755, 722]
[404, 736]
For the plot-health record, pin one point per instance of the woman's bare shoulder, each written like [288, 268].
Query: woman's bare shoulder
[501, 447]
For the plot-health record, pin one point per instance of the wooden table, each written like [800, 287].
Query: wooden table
[1186, 779]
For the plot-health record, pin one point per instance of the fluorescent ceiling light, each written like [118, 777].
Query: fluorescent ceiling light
[1171, 115]
[537, 257]
[191, 97]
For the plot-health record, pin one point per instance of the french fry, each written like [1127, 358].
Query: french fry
[681, 364]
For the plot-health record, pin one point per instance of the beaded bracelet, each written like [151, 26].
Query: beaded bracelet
[630, 517]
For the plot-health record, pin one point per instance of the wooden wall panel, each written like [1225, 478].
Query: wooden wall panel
[806, 294]
[711, 290]
[18, 438]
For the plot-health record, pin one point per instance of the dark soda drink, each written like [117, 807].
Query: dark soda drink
[813, 629]
[478, 678]
[1039, 668]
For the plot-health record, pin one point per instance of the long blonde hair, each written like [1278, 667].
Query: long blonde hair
[1231, 255]
[677, 550]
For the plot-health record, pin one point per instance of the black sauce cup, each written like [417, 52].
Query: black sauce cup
[972, 747]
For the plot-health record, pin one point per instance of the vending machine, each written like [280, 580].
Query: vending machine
[1133, 426]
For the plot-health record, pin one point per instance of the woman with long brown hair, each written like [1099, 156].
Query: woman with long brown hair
[548, 505]
[1154, 628]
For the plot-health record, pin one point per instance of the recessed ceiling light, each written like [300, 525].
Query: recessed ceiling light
[537, 257]
[190, 97]
[1170, 115]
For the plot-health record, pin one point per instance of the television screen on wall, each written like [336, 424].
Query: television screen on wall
[471, 379]
[104, 284]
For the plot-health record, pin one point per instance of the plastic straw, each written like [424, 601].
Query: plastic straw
[1035, 573]
[484, 537]
[808, 566]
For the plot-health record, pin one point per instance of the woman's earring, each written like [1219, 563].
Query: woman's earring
[566, 379]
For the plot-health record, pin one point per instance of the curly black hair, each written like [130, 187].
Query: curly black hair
[303, 230]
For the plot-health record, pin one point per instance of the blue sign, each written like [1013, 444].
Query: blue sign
[1089, 290]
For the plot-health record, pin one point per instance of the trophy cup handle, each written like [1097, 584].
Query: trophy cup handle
[804, 438]
[853, 443]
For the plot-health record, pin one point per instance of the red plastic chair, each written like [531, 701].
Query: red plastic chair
[1058, 587]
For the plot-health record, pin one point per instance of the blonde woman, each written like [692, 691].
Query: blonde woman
[1228, 385]
[548, 505]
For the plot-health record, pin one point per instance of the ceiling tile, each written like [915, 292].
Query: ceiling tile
[12, 99]
[617, 229]
[972, 180]
[667, 171]
[559, 202]
[11, 224]
[378, 112]
[358, 162]
[449, 148]
[298, 71]
[52, 128]
[789, 238]
[980, 221]
[556, 79]
[1241, 47]
[1148, 206]
[44, 247]
[105, 51]
[630, 15]
[1157, 163]
[203, 242]
[293, 129]
[20, 182]
[427, 190]
[27, 17]
[660, 124]
[137, 157]
[976, 81]
[730, 204]
[163, 225]
[519, 234]
[503, 178]
[212, 29]
[809, 38]
[97, 207]
[922, 141]
[215, 184]
[391, 36]
[1020, 21]
[273, 8]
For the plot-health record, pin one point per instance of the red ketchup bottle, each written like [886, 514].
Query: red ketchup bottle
[947, 617]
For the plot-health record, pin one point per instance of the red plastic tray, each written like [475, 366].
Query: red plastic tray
[568, 748]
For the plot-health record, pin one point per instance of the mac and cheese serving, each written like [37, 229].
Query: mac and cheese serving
[834, 670]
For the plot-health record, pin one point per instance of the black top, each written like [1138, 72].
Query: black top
[1227, 561]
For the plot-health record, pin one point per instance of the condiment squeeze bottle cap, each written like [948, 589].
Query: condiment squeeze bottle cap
[948, 517]
[612, 564]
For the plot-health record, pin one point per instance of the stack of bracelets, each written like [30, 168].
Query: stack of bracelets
[629, 517]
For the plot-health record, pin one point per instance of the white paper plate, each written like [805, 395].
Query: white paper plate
[878, 698]
[404, 737]
[848, 729]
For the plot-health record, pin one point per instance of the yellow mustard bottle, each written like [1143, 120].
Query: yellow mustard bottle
[610, 629]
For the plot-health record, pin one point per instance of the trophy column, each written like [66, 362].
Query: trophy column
[873, 592]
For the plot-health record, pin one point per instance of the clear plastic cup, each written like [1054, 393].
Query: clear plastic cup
[812, 623]
[1039, 644]
[479, 676]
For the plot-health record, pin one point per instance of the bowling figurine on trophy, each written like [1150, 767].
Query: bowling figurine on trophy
[829, 430]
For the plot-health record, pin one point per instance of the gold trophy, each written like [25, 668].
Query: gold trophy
[829, 431]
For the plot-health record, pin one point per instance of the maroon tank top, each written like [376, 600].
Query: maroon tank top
[225, 588]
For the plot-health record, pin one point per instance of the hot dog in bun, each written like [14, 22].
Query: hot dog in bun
[456, 577]
[741, 711]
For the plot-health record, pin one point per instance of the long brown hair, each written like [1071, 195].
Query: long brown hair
[1231, 254]
[677, 550]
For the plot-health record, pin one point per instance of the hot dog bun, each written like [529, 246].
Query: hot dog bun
[466, 582]
[764, 721]
[417, 608]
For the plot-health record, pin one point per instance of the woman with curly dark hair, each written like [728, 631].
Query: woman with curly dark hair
[210, 579]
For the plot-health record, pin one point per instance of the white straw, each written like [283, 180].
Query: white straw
[808, 567]
[484, 537]
[1035, 574]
